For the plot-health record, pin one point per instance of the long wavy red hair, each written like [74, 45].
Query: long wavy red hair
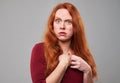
[78, 43]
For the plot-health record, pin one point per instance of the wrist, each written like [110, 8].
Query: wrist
[88, 72]
[64, 64]
[88, 69]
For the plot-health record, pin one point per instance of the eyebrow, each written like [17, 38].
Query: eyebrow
[64, 20]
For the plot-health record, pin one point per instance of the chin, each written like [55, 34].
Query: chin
[64, 40]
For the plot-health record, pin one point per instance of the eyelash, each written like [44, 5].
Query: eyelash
[57, 20]
[66, 21]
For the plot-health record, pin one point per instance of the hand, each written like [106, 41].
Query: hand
[80, 64]
[64, 59]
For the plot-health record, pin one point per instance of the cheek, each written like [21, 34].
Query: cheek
[71, 30]
[55, 28]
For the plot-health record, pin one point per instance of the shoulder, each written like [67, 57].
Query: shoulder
[38, 51]
[39, 45]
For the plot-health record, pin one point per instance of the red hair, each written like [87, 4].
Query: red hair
[78, 43]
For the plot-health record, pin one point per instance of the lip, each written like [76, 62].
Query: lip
[62, 33]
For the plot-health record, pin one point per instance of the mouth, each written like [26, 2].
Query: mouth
[62, 33]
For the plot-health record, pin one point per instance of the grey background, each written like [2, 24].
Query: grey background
[22, 25]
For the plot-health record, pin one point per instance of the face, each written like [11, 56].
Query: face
[62, 25]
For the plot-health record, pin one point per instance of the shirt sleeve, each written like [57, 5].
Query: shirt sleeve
[38, 64]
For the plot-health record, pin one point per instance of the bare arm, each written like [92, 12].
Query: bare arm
[57, 75]
[88, 77]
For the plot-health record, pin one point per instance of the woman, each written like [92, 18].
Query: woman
[64, 57]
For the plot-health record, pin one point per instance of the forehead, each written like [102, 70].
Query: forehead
[63, 13]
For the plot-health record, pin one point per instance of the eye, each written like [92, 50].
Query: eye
[68, 22]
[58, 20]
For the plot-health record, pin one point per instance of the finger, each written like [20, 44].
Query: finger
[75, 63]
[74, 57]
[72, 62]
[74, 66]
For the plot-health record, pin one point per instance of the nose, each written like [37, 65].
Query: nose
[62, 26]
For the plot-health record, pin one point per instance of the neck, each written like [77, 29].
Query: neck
[65, 46]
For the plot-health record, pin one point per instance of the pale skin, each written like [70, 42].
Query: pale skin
[63, 29]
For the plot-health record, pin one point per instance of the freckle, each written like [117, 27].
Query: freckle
[68, 53]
